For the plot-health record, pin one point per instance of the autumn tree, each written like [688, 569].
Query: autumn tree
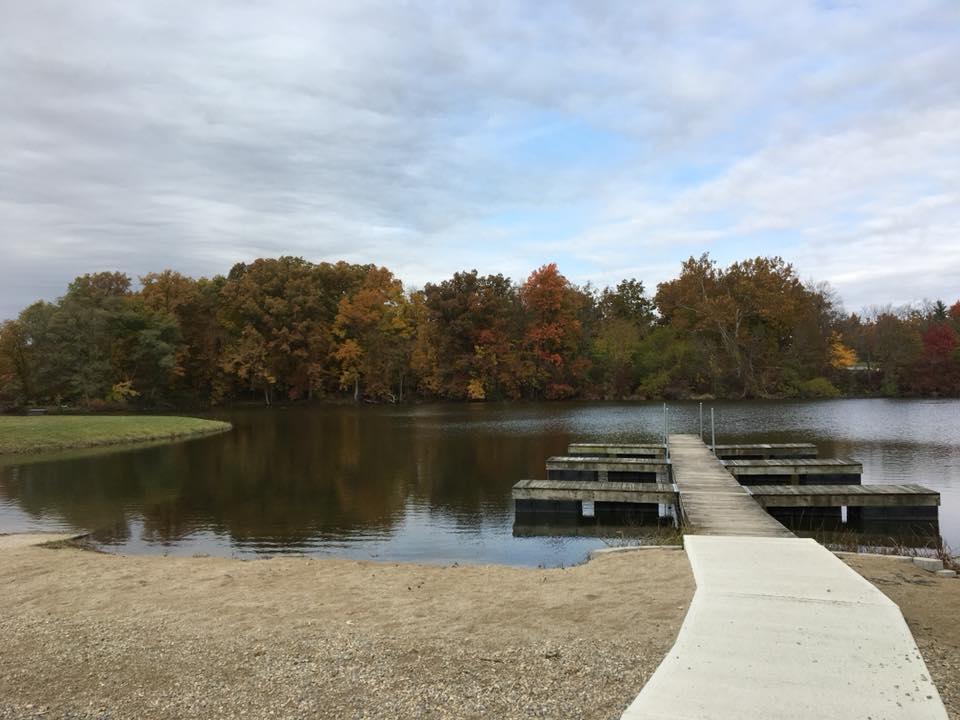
[744, 317]
[373, 333]
[553, 334]
[937, 371]
[467, 338]
[279, 316]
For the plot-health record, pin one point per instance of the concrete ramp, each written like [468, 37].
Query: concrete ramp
[781, 628]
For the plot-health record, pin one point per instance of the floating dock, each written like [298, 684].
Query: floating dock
[805, 496]
[580, 490]
[740, 496]
[800, 471]
[624, 450]
[765, 451]
[603, 468]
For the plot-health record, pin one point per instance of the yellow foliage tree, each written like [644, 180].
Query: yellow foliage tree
[841, 356]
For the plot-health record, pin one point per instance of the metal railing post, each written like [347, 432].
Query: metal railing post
[666, 431]
[664, 424]
[713, 434]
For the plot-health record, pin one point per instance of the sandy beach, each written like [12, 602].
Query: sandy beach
[92, 635]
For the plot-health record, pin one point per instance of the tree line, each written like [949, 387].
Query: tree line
[288, 329]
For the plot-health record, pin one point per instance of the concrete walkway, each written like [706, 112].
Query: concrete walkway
[781, 628]
[712, 502]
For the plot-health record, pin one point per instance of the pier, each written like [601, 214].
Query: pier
[711, 501]
[779, 627]
[744, 494]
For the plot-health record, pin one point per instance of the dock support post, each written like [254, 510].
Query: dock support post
[701, 422]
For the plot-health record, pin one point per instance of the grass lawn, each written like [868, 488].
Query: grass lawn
[57, 432]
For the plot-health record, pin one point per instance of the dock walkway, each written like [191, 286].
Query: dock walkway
[778, 627]
[712, 502]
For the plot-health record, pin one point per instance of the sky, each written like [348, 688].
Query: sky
[614, 138]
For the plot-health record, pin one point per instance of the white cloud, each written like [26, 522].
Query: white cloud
[143, 135]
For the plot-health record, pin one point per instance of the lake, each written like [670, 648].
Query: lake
[426, 483]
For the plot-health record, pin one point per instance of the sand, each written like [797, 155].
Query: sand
[92, 635]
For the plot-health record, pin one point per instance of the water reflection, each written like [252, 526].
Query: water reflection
[428, 483]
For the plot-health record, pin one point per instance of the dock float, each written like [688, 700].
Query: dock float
[798, 471]
[765, 451]
[625, 450]
[549, 501]
[602, 468]
[592, 491]
[781, 628]
[884, 496]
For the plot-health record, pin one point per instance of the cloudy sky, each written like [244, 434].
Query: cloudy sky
[615, 138]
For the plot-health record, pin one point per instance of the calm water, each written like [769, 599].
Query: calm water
[428, 483]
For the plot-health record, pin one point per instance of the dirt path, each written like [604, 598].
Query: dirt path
[93, 635]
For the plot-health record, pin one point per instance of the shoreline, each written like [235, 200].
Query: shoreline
[92, 635]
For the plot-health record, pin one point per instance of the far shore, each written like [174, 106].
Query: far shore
[46, 433]
[94, 635]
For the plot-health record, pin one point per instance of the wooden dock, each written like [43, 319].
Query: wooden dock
[591, 490]
[796, 471]
[808, 496]
[625, 450]
[765, 451]
[712, 502]
[710, 496]
[603, 468]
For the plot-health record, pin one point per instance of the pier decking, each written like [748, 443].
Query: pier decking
[712, 502]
